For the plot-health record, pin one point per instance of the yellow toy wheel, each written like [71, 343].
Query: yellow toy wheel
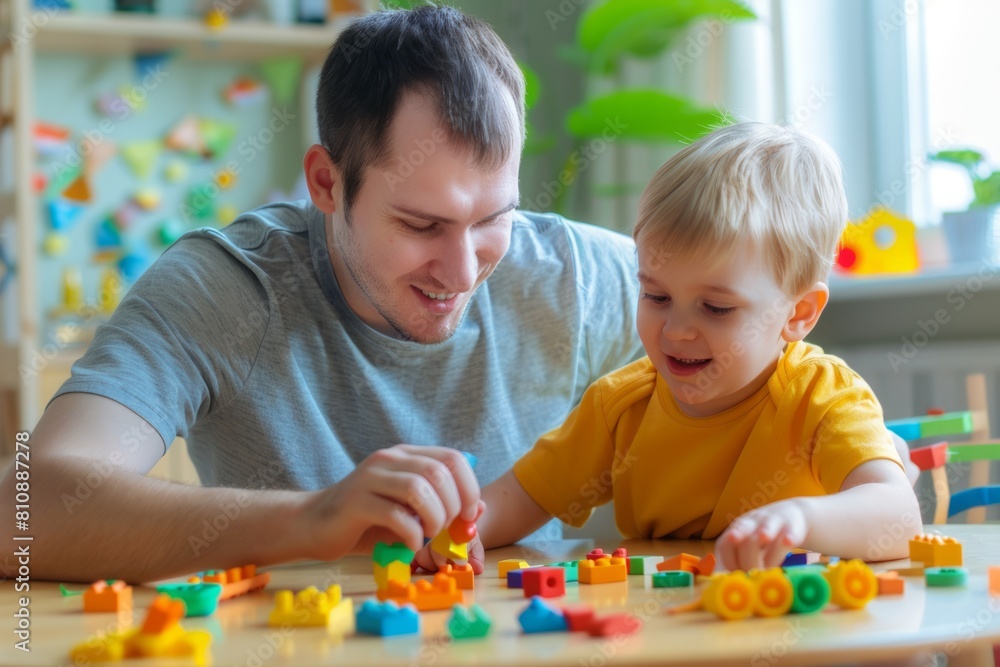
[730, 596]
[774, 593]
[852, 584]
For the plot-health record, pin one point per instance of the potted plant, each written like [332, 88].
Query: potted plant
[970, 233]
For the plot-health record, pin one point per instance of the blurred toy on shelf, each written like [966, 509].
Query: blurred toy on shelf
[881, 242]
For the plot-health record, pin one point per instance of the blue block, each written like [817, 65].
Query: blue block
[515, 579]
[387, 619]
[540, 617]
[795, 559]
[907, 429]
[979, 496]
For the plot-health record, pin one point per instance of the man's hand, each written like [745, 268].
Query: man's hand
[399, 494]
[432, 561]
[762, 538]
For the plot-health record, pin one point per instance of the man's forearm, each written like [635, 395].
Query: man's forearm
[869, 521]
[140, 529]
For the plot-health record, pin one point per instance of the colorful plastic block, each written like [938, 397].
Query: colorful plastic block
[546, 582]
[774, 593]
[685, 562]
[643, 564]
[614, 625]
[967, 453]
[800, 557]
[979, 496]
[540, 617]
[311, 607]
[508, 564]
[199, 599]
[852, 584]
[951, 423]
[515, 578]
[931, 456]
[909, 571]
[936, 551]
[159, 636]
[572, 571]
[113, 596]
[672, 579]
[812, 591]
[578, 618]
[447, 547]
[947, 576]
[398, 571]
[596, 554]
[890, 583]
[384, 554]
[441, 593]
[463, 575]
[602, 571]
[993, 577]
[471, 623]
[236, 580]
[706, 565]
[730, 596]
[387, 619]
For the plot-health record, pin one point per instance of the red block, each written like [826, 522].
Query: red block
[931, 456]
[596, 554]
[614, 624]
[547, 582]
[578, 618]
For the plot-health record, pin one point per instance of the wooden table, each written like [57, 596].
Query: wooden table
[962, 622]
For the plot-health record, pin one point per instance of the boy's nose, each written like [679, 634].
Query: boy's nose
[676, 328]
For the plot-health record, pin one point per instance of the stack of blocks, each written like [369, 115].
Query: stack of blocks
[391, 563]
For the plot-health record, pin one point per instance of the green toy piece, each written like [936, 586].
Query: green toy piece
[967, 452]
[200, 599]
[570, 566]
[385, 553]
[471, 623]
[946, 576]
[812, 591]
[672, 579]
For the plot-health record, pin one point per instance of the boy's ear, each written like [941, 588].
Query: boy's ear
[806, 312]
[321, 177]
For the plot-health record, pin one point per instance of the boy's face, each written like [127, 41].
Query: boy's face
[712, 326]
[426, 230]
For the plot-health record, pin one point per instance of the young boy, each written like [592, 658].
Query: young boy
[731, 427]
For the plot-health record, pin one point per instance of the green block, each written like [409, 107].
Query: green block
[571, 568]
[471, 623]
[672, 579]
[966, 452]
[946, 576]
[643, 564]
[385, 554]
[950, 423]
[812, 590]
[200, 599]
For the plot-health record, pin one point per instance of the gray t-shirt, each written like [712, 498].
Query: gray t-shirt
[240, 341]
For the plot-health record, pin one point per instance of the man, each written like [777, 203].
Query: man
[408, 302]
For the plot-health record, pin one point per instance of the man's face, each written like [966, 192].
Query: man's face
[424, 232]
[713, 327]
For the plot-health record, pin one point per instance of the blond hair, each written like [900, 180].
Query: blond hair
[776, 187]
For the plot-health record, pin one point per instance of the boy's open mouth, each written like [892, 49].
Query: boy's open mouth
[684, 366]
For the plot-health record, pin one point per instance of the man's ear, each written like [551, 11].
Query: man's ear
[322, 178]
[806, 312]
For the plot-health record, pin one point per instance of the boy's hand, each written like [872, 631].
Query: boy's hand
[762, 538]
[432, 561]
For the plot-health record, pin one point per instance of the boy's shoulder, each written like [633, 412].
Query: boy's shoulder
[626, 386]
[806, 372]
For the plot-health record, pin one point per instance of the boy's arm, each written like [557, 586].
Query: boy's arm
[873, 517]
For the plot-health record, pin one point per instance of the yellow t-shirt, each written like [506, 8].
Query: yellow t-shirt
[801, 434]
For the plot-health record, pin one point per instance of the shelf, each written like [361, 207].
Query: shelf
[118, 34]
[974, 276]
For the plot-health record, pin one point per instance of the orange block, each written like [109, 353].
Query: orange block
[602, 570]
[706, 565]
[890, 583]
[102, 597]
[931, 456]
[237, 580]
[685, 562]
[441, 593]
[163, 614]
[993, 573]
[936, 551]
[462, 574]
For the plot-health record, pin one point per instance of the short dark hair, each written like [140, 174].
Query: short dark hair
[457, 59]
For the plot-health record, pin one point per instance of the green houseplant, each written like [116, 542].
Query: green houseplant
[970, 234]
